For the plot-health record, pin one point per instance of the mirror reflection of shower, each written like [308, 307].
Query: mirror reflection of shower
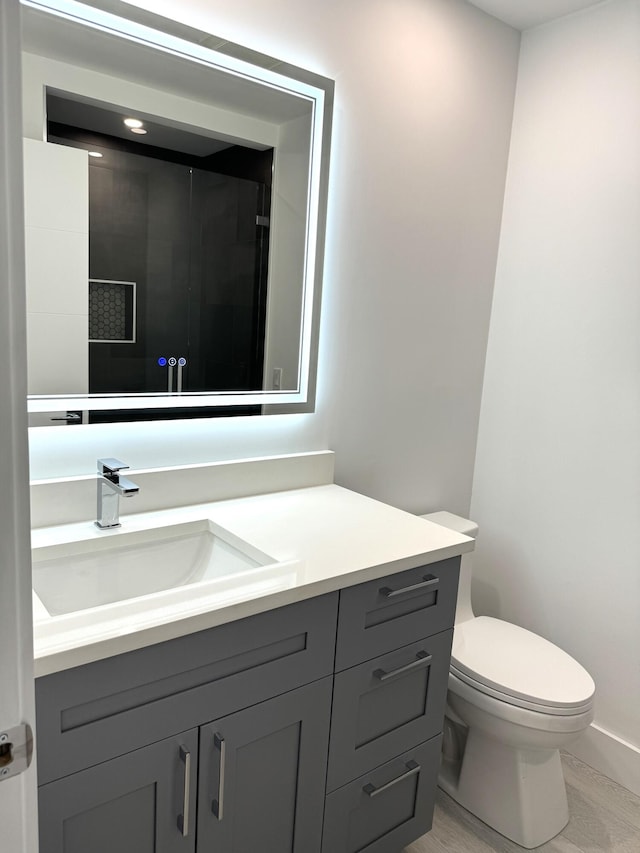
[178, 253]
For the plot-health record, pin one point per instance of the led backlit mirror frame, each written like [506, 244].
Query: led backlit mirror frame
[318, 91]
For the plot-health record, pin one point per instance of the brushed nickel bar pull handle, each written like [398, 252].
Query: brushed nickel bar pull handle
[428, 580]
[218, 805]
[183, 819]
[422, 659]
[412, 769]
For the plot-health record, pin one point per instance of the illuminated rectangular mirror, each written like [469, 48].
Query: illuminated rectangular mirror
[175, 203]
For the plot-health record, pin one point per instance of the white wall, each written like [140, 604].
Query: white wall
[423, 112]
[423, 133]
[289, 202]
[556, 489]
[56, 207]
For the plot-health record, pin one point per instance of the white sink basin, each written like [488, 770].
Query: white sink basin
[118, 566]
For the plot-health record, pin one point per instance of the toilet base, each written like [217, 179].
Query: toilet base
[526, 799]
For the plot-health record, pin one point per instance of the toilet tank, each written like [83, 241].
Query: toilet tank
[453, 522]
[464, 611]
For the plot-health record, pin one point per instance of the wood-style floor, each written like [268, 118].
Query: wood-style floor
[604, 818]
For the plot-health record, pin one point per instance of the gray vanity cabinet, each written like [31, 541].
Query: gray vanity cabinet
[261, 780]
[392, 667]
[255, 780]
[92, 713]
[310, 728]
[111, 761]
[141, 802]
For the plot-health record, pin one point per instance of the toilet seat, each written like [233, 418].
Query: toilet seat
[519, 702]
[520, 668]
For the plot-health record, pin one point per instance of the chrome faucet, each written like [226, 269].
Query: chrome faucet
[110, 486]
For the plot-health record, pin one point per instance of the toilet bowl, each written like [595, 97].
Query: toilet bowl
[514, 699]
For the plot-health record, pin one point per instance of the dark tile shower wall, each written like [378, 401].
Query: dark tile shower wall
[231, 310]
[189, 239]
[117, 210]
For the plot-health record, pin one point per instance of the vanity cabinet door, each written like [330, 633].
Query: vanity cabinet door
[141, 802]
[262, 775]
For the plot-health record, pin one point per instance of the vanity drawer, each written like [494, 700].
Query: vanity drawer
[95, 712]
[382, 615]
[383, 811]
[388, 705]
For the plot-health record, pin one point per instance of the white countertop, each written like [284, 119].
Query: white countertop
[325, 538]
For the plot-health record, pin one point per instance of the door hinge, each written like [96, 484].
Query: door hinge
[16, 751]
[263, 220]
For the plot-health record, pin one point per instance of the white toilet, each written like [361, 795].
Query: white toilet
[514, 699]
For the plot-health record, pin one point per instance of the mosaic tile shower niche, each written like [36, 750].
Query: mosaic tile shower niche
[112, 311]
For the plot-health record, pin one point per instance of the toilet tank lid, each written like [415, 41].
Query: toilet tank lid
[453, 522]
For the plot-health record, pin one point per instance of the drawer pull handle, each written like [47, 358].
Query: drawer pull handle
[218, 805]
[427, 581]
[422, 659]
[412, 769]
[183, 819]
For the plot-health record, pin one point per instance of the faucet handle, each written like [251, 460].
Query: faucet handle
[110, 466]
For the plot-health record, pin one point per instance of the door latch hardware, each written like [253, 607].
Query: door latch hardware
[16, 751]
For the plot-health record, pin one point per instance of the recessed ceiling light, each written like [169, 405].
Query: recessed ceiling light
[140, 130]
[133, 122]
[95, 154]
